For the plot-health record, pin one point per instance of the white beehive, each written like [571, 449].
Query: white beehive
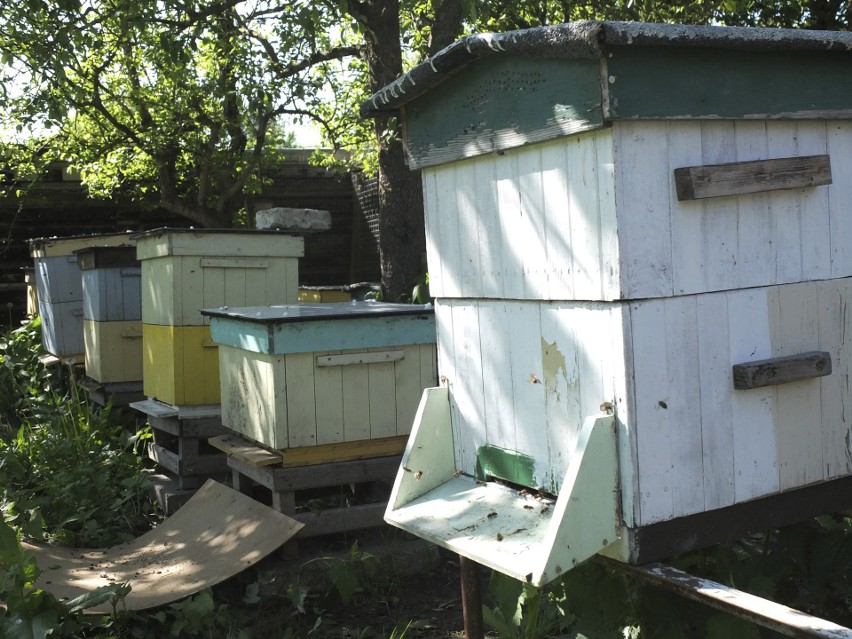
[642, 267]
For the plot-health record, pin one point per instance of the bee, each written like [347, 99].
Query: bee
[418, 474]
[492, 515]
[528, 507]
[499, 537]
[545, 510]
[534, 379]
[457, 473]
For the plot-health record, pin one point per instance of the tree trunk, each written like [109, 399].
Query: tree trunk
[402, 238]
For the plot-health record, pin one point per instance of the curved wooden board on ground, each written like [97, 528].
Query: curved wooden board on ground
[215, 535]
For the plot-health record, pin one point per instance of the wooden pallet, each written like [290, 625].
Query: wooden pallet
[180, 441]
[253, 465]
[116, 393]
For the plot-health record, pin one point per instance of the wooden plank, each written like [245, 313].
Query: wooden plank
[328, 397]
[835, 329]
[755, 232]
[350, 359]
[716, 242]
[564, 368]
[409, 386]
[653, 430]
[356, 410]
[489, 244]
[292, 478]
[781, 370]
[461, 366]
[681, 321]
[234, 262]
[197, 288]
[335, 520]
[642, 199]
[466, 212]
[675, 537]
[608, 216]
[683, 82]
[555, 203]
[799, 425]
[786, 207]
[502, 102]
[445, 226]
[582, 249]
[750, 314]
[532, 229]
[243, 449]
[344, 451]
[301, 403]
[432, 212]
[522, 346]
[382, 399]
[814, 224]
[715, 408]
[839, 142]
[498, 426]
[757, 176]
[508, 219]
[763, 612]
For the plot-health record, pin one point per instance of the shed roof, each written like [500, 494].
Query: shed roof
[590, 40]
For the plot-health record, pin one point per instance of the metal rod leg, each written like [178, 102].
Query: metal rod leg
[471, 596]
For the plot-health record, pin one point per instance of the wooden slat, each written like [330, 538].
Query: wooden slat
[344, 451]
[756, 176]
[349, 359]
[775, 616]
[334, 520]
[245, 450]
[283, 479]
[780, 370]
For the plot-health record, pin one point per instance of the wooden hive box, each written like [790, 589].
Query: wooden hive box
[310, 377]
[59, 289]
[642, 270]
[112, 313]
[186, 270]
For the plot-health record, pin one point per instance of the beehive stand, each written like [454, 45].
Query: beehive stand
[180, 448]
[252, 465]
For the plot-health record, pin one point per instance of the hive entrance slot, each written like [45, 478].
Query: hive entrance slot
[507, 527]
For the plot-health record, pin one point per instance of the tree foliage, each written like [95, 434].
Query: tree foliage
[178, 102]
[165, 100]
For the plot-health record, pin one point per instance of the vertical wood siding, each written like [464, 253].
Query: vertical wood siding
[534, 223]
[595, 217]
[289, 401]
[703, 445]
[524, 375]
[674, 248]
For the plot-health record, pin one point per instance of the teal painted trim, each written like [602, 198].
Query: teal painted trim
[323, 335]
[508, 465]
[249, 336]
[662, 82]
[501, 103]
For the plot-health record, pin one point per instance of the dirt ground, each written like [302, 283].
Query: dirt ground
[398, 580]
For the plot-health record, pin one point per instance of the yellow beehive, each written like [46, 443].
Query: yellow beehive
[185, 270]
